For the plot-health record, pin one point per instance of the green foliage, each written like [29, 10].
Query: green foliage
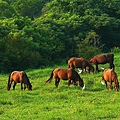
[55, 30]
[87, 51]
[5, 9]
[31, 8]
[115, 50]
[89, 47]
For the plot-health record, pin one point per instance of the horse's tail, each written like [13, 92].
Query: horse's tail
[50, 79]
[8, 85]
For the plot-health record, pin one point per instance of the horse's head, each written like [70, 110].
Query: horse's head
[91, 69]
[29, 87]
[81, 83]
[93, 60]
[116, 86]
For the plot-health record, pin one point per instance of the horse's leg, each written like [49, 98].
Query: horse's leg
[21, 86]
[97, 68]
[112, 66]
[57, 80]
[111, 85]
[14, 85]
[24, 86]
[106, 84]
[69, 82]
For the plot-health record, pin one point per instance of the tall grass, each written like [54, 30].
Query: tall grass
[45, 102]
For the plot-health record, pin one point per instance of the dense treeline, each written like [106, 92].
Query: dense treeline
[35, 33]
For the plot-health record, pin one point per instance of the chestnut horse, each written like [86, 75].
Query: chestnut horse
[19, 77]
[66, 74]
[103, 59]
[110, 75]
[80, 63]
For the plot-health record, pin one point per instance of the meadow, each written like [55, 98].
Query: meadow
[45, 102]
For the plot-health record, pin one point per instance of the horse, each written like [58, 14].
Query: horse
[80, 63]
[19, 77]
[109, 75]
[66, 74]
[103, 59]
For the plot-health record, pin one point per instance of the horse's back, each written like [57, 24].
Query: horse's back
[71, 59]
[102, 59]
[17, 75]
[77, 62]
[71, 62]
[109, 74]
[64, 74]
[60, 73]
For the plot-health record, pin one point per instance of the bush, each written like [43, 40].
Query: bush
[115, 50]
[87, 51]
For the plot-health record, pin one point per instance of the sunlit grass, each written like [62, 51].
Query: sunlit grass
[46, 102]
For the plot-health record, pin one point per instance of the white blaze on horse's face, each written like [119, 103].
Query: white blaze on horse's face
[79, 71]
[103, 83]
[83, 87]
[102, 68]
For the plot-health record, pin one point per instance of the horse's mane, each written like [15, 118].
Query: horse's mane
[26, 78]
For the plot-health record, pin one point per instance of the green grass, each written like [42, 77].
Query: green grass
[45, 102]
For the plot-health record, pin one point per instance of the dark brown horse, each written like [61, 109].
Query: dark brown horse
[19, 77]
[110, 75]
[66, 74]
[80, 63]
[103, 59]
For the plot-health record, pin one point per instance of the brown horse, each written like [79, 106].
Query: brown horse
[80, 63]
[66, 74]
[19, 77]
[109, 75]
[103, 59]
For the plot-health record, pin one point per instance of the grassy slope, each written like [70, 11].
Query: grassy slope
[46, 102]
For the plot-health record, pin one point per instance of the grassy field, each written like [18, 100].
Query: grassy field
[45, 102]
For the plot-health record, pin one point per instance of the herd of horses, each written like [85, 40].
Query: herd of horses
[70, 74]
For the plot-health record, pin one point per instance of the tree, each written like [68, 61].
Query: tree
[5, 10]
[30, 8]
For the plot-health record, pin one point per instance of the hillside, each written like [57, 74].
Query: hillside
[40, 33]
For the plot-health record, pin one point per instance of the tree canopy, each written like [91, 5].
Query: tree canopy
[37, 33]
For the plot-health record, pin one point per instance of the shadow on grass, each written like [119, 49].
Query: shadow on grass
[94, 89]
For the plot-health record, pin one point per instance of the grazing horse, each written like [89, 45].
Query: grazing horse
[110, 75]
[80, 63]
[103, 59]
[19, 77]
[66, 74]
